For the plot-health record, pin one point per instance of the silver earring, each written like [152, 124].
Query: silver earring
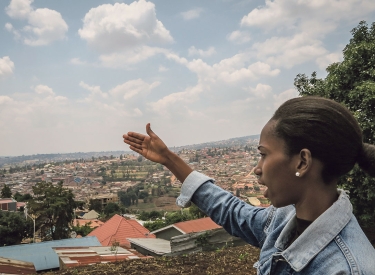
[297, 174]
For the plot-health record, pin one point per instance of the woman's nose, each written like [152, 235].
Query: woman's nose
[257, 171]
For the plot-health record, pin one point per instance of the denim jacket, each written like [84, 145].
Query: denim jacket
[333, 244]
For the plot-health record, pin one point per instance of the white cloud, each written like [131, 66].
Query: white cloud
[175, 100]
[5, 99]
[44, 25]
[43, 89]
[194, 51]
[289, 51]
[133, 88]
[308, 16]
[261, 90]
[328, 59]
[191, 14]
[233, 74]
[129, 57]
[162, 69]
[239, 37]
[77, 61]
[284, 96]
[94, 90]
[19, 9]
[6, 67]
[305, 24]
[113, 28]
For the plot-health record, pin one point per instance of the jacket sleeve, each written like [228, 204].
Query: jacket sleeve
[235, 216]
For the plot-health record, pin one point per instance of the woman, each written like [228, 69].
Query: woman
[309, 229]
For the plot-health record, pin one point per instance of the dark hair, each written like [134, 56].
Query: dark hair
[328, 130]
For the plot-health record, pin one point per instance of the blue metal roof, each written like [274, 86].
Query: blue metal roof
[41, 254]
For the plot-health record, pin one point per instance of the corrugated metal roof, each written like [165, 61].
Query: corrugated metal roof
[157, 246]
[197, 225]
[118, 229]
[41, 254]
[81, 256]
[10, 266]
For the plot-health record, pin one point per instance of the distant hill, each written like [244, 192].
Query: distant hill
[42, 158]
[238, 141]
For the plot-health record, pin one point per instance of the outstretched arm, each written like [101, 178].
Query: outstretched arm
[153, 148]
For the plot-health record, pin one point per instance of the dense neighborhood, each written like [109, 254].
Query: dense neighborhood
[111, 195]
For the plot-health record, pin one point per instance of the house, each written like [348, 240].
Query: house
[41, 254]
[91, 215]
[117, 229]
[8, 204]
[151, 247]
[81, 256]
[181, 228]
[105, 199]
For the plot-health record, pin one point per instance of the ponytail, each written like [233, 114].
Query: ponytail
[366, 159]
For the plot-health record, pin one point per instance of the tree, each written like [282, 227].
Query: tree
[83, 230]
[125, 198]
[54, 208]
[5, 192]
[352, 82]
[23, 198]
[143, 194]
[111, 208]
[95, 205]
[14, 227]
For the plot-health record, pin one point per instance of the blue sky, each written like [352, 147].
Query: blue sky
[76, 75]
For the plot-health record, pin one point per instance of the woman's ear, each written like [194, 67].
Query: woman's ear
[304, 161]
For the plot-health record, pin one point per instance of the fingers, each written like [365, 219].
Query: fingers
[131, 139]
[132, 143]
[135, 135]
[149, 131]
[136, 150]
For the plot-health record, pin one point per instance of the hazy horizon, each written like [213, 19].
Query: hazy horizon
[126, 151]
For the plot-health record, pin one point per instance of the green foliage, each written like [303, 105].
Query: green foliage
[352, 82]
[170, 218]
[128, 198]
[111, 208]
[143, 194]
[80, 204]
[5, 192]
[22, 198]
[153, 215]
[152, 226]
[14, 227]
[83, 230]
[54, 208]
[195, 212]
[95, 205]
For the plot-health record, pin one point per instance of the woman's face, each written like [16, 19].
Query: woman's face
[276, 170]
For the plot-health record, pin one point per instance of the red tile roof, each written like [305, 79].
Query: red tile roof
[117, 229]
[197, 225]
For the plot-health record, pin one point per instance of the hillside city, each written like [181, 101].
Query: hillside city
[105, 176]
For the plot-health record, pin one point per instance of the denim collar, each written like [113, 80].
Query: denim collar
[317, 236]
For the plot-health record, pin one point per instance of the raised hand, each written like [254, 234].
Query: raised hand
[154, 149]
[151, 146]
